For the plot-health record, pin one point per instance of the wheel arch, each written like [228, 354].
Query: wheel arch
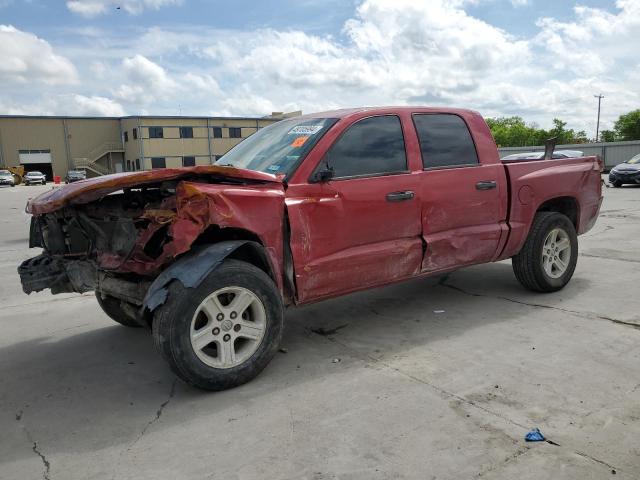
[191, 269]
[566, 205]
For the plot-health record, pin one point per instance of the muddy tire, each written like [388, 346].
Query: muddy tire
[113, 308]
[224, 332]
[548, 258]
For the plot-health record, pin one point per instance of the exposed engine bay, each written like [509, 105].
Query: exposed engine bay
[119, 243]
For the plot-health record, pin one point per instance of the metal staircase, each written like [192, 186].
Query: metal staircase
[90, 162]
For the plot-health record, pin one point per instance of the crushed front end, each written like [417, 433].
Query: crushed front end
[114, 245]
[116, 234]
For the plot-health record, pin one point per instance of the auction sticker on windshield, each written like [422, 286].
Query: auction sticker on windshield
[299, 141]
[305, 130]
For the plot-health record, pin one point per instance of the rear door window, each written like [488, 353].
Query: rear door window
[445, 141]
[372, 146]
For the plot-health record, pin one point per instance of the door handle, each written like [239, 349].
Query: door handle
[486, 185]
[400, 196]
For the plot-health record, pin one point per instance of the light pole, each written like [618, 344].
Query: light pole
[599, 97]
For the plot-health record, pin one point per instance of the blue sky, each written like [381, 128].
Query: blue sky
[539, 59]
[321, 17]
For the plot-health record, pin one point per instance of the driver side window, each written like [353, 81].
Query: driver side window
[372, 146]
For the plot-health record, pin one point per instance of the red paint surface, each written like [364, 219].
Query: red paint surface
[344, 234]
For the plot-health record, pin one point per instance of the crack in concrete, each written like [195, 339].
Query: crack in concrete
[158, 415]
[601, 462]
[444, 393]
[574, 313]
[492, 468]
[45, 462]
[609, 258]
[34, 447]
[447, 394]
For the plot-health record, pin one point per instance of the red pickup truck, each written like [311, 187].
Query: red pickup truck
[306, 209]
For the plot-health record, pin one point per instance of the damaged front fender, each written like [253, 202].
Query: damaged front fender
[192, 269]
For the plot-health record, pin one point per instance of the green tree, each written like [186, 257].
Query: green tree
[511, 131]
[514, 132]
[607, 136]
[628, 126]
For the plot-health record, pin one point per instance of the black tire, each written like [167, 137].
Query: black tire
[528, 263]
[113, 308]
[616, 184]
[172, 326]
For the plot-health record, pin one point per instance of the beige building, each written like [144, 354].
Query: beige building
[54, 145]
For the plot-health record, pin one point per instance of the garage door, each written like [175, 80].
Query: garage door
[37, 160]
[34, 156]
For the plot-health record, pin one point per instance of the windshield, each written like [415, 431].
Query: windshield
[634, 160]
[279, 147]
[5, 172]
[33, 174]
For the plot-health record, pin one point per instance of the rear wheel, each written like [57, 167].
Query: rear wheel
[114, 309]
[548, 258]
[224, 332]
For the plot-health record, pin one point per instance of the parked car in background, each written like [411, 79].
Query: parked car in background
[6, 178]
[34, 178]
[627, 172]
[75, 175]
[540, 155]
[208, 256]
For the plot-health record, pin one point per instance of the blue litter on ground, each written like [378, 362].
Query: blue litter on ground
[534, 436]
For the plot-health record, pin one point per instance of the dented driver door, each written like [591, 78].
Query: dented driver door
[362, 227]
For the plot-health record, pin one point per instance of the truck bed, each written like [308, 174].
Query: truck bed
[531, 184]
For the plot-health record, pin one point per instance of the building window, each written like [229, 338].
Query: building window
[235, 132]
[217, 132]
[137, 164]
[158, 162]
[128, 165]
[188, 161]
[135, 133]
[156, 132]
[186, 132]
[126, 136]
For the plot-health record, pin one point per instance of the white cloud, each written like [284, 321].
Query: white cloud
[93, 8]
[389, 52]
[27, 58]
[92, 106]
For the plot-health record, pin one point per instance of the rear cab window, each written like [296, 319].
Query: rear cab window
[372, 146]
[445, 140]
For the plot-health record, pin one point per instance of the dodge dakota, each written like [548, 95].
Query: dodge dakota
[303, 210]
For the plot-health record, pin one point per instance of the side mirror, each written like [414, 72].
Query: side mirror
[323, 175]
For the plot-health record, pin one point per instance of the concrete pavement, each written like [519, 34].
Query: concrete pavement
[434, 378]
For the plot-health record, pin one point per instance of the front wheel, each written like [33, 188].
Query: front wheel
[224, 332]
[548, 258]
[113, 308]
[616, 184]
